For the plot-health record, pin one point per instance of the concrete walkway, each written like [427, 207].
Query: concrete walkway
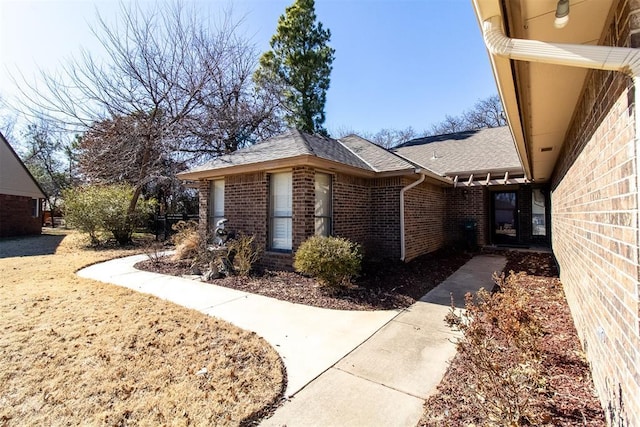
[385, 380]
[344, 368]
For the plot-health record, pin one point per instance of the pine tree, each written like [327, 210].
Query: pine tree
[298, 66]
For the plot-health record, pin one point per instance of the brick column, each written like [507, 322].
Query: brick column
[303, 204]
[203, 203]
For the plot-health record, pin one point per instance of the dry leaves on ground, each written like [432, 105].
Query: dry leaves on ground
[569, 397]
[76, 352]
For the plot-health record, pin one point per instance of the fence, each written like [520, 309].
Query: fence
[163, 227]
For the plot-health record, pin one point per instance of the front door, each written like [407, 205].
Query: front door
[504, 215]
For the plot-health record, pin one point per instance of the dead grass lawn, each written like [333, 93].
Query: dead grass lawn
[77, 352]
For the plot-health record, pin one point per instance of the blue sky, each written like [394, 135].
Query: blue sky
[398, 63]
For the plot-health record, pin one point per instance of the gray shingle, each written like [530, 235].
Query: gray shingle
[353, 151]
[479, 150]
[378, 158]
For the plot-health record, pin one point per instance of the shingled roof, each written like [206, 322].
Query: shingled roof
[462, 153]
[351, 151]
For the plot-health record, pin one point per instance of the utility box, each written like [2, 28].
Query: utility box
[469, 228]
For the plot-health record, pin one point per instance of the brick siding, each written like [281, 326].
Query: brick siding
[365, 211]
[424, 216]
[468, 203]
[352, 210]
[15, 216]
[595, 231]
[384, 234]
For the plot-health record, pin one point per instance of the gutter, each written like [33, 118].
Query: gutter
[622, 59]
[403, 248]
[612, 58]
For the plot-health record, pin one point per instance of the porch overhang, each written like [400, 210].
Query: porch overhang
[539, 98]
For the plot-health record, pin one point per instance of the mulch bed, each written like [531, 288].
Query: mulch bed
[569, 399]
[383, 285]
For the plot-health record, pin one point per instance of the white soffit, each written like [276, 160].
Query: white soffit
[553, 91]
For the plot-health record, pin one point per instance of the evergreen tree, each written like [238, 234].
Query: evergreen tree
[298, 66]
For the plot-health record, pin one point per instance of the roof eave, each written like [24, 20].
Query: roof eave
[504, 77]
[301, 160]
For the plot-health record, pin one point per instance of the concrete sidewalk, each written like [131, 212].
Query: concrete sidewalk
[309, 339]
[345, 368]
[385, 380]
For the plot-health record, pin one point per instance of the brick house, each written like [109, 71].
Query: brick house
[397, 204]
[570, 92]
[21, 197]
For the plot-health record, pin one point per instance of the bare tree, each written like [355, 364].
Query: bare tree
[187, 90]
[44, 156]
[450, 124]
[486, 113]
[386, 138]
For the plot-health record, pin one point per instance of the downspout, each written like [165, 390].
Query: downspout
[404, 190]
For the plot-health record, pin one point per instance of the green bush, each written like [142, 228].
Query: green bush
[331, 260]
[96, 209]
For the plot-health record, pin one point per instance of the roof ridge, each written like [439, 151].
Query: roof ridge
[302, 136]
[339, 140]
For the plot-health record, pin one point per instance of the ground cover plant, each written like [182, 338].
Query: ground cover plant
[381, 285]
[78, 352]
[521, 362]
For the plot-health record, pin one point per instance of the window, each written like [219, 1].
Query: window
[216, 203]
[35, 208]
[280, 211]
[538, 213]
[323, 204]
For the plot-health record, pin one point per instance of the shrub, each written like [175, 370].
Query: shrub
[186, 239]
[96, 209]
[243, 253]
[331, 260]
[500, 345]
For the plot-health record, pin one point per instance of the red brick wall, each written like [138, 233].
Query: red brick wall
[303, 205]
[595, 232]
[464, 203]
[385, 217]
[424, 219]
[15, 216]
[366, 211]
[203, 206]
[352, 209]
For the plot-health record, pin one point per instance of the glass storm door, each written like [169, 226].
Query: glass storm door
[504, 217]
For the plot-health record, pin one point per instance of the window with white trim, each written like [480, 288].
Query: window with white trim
[280, 211]
[216, 202]
[323, 209]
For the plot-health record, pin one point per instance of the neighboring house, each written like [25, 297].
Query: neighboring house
[21, 197]
[573, 110]
[398, 204]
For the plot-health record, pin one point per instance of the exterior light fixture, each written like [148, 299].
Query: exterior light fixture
[562, 14]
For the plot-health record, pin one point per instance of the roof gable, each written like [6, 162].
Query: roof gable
[15, 178]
